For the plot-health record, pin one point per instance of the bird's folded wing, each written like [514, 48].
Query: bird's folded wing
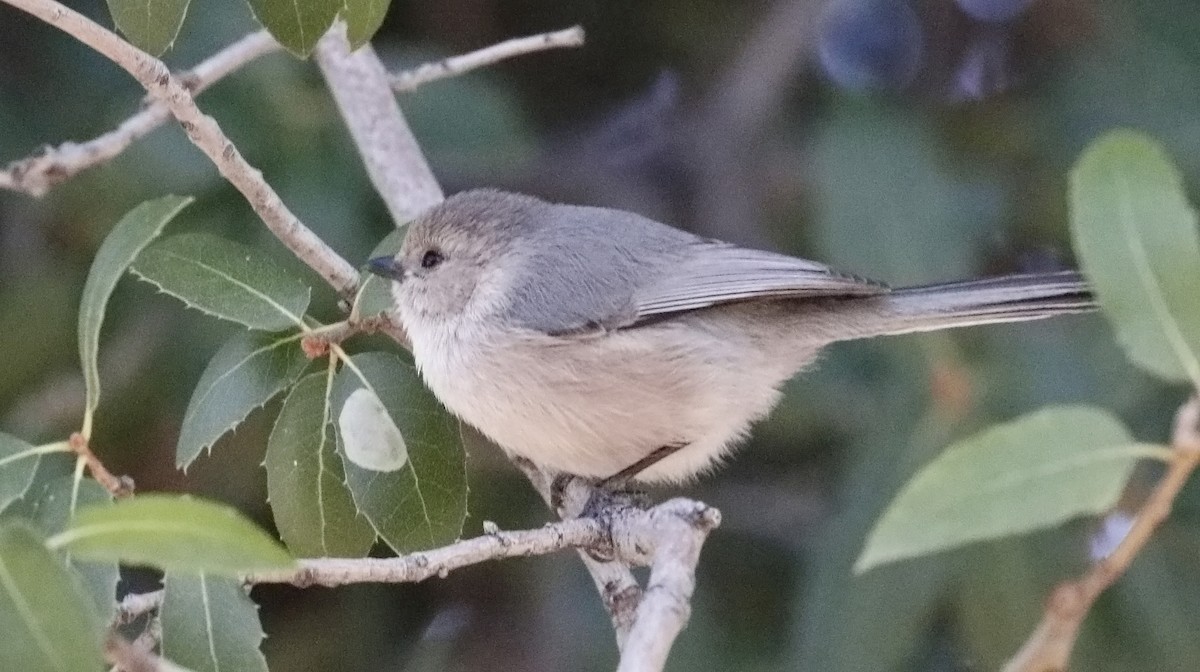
[718, 273]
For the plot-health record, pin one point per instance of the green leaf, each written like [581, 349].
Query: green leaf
[131, 234]
[53, 511]
[245, 373]
[375, 295]
[296, 24]
[1034, 472]
[209, 624]
[306, 483]
[422, 501]
[48, 623]
[151, 25]
[1136, 237]
[363, 18]
[18, 464]
[225, 279]
[172, 533]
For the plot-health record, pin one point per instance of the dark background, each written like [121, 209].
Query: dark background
[905, 141]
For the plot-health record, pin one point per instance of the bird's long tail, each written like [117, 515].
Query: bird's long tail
[1011, 298]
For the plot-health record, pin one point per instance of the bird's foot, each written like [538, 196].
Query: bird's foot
[601, 503]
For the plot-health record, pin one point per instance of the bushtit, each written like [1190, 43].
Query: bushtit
[603, 344]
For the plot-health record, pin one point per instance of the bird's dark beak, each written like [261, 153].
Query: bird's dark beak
[386, 267]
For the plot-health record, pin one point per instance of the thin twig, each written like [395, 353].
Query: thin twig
[1048, 648]
[37, 174]
[409, 80]
[394, 161]
[119, 486]
[578, 533]
[204, 132]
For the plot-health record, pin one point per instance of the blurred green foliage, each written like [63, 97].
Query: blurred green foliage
[907, 186]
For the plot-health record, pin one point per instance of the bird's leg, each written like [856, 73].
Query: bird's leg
[621, 479]
[615, 490]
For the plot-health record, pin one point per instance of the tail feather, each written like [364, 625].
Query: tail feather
[1011, 298]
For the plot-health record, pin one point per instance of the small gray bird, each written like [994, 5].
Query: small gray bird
[603, 344]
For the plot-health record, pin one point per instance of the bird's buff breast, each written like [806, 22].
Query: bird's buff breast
[592, 406]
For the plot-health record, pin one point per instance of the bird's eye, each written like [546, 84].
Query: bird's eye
[431, 258]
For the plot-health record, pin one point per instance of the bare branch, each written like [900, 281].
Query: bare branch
[577, 533]
[204, 132]
[1048, 648]
[409, 80]
[679, 528]
[36, 175]
[393, 159]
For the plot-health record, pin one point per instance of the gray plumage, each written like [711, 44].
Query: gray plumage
[585, 338]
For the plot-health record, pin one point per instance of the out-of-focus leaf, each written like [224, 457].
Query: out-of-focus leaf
[296, 24]
[55, 508]
[18, 464]
[151, 25]
[878, 621]
[306, 484]
[130, 235]
[922, 228]
[245, 373]
[47, 621]
[173, 533]
[472, 122]
[363, 18]
[225, 279]
[209, 624]
[422, 503]
[34, 347]
[1100, 85]
[375, 296]
[1137, 240]
[1033, 472]
[1003, 584]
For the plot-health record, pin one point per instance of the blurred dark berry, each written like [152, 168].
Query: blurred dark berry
[985, 68]
[871, 44]
[994, 11]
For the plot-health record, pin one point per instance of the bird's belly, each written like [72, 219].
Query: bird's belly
[592, 407]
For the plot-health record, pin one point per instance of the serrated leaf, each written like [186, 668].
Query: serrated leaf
[245, 373]
[1037, 471]
[151, 25]
[131, 234]
[225, 279]
[1135, 234]
[53, 511]
[18, 465]
[306, 485]
[296, 24]
[375, 296]
[47, 621]
[363, 18]
[175, 533]
[209, 624]
[423, 503]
